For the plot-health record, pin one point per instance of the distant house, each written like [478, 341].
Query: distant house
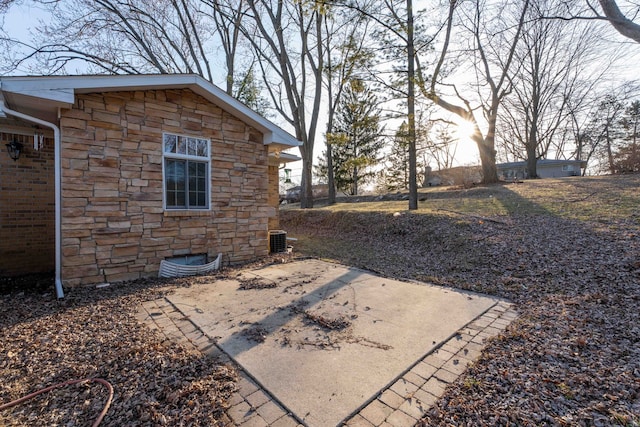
[546, 168]
[458, 175]
[117, 173]
[292, 195]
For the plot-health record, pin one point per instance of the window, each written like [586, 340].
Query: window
[567, 168]
[186, 172]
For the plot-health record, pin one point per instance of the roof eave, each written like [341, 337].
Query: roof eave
[60, 91]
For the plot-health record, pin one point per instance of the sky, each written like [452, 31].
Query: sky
[21, 20]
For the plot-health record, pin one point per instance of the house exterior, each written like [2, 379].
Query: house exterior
[292, 195]
[457, 175]
[546, 168]
[118, 173]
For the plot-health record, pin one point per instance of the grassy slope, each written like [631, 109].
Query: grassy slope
[588, 198]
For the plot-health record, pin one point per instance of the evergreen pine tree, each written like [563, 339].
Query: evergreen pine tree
[356, 141]
[397, 164]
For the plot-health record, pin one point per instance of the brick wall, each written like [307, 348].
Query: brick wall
[113, 224]
[27, 206]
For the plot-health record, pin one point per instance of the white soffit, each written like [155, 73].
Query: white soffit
[281, 158]
[288, 157]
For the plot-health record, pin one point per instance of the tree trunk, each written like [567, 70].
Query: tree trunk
[488, 161]
[486, 147]
[532, 164]
[306, 190]
[413, 184]
[612, 166]
[354, 185]
[331, 182]
[532, 143]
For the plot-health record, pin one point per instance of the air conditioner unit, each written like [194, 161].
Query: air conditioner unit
[277, 241]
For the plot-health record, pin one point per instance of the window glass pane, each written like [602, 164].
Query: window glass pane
[180, 199]
[202, 194]
[182, 145]
[193, 178]
[179, 173]
[192, 146]
[175, 183]
[170, 142]
[169, 182]
[197, 184]
[202, 148]
[202, 176]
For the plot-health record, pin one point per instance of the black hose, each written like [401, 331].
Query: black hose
[98, 420]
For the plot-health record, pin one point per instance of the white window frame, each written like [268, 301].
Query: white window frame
[205, 158]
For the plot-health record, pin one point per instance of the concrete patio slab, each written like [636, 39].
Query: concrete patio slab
[324, 339]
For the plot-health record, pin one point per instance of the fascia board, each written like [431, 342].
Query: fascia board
[37, 87]
[91, 83]
[61, 96]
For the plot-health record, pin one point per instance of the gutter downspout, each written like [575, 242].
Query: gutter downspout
[58, 179]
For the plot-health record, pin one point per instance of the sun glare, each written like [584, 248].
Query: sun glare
[465, 130]
[467, 152]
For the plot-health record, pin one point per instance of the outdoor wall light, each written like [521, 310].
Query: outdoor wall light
[14, 148]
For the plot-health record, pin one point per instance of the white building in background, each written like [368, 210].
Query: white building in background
[546, 168]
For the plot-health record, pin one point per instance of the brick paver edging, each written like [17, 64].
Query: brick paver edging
[401, 404]
[404, 402]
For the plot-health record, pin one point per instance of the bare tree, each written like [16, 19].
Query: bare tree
[554, 58]
[120, 37]
[227, 15]
[442, 147]
[288, 40]
[5, 5]
[604, 131]
[134, 37]
[493, 50]
[627, 157]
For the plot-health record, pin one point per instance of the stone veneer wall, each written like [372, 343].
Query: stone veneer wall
[114, 226]
[27, 207]
[274, 196]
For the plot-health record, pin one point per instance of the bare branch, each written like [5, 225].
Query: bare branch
[620, 22]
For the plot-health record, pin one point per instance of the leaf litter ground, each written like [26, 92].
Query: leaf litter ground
[94, 333]
[567, 252]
